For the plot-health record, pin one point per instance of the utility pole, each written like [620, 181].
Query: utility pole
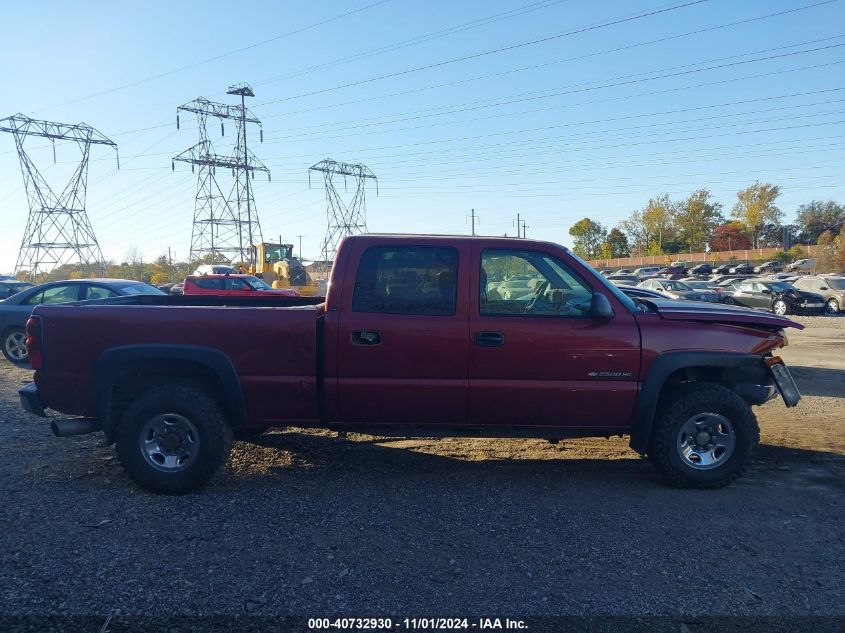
[473, 218]
[518, 223]
[300, 246]
[524, 227]
[58, 231]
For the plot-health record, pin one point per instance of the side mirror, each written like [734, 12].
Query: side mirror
[600, 307]
[766, 291]
[823, 288]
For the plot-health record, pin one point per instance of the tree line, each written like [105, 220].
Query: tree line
[698, 223]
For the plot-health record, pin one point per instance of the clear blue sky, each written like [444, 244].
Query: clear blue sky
[591, 123]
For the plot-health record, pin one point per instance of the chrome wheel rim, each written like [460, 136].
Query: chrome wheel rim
[706, 441]
[16, 346]
[780, 308]
[832, 306]
[169, 442]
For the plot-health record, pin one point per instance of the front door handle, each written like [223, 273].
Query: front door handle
[366, 337]
[489, 339]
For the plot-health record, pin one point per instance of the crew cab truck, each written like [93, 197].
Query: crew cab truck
[413, 339]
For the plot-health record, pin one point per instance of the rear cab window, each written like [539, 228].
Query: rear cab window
[420, 280]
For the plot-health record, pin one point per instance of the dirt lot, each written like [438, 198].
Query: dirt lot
[306, 524]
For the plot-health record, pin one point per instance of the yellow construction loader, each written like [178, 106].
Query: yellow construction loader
[276, 264]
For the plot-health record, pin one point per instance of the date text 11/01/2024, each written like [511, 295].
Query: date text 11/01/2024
[358, 624]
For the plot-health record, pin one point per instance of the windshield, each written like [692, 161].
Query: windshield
[257, 284]
[602, 281]
[277, 252]
[836, 284]
[675, 285]
[781, 286]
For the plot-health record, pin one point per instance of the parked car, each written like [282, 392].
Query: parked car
[830, 287]
[701, 270]
[769, 267]
[635, 292]
[741, 269]
[698, 284]
[672, 272]
[625, 280]
[777, 296]
[214, 269]
[437, 355]
[679, 290]
[624, 271]
[646, 272]
[232, 285]
[15, 310]
[802, 265]
[723, 269]
[722, 280]
[9, 287]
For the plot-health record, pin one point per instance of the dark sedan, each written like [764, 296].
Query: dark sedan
[776, 296]
[9, 287]
[15, 310]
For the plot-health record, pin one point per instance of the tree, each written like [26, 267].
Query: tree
[636, 233]
[755, 206]
[730, 236]
[617, 244]
[816, 217]
[827, 256]
[587, 238]
[654, 223]
[695, 220]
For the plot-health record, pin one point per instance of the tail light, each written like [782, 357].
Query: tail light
[33, 341]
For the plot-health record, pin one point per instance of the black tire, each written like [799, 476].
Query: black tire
[687, 403]
[730, 301]
[12, 339]
[249, 432]
[210, 430]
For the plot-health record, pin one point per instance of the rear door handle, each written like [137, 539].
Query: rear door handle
[366, 337]
[489, 339]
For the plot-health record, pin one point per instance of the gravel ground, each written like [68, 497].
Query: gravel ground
[304, 523]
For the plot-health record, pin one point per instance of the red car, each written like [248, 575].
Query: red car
[414, 339]
[231, 286]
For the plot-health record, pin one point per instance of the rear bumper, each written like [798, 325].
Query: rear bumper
[30, 401]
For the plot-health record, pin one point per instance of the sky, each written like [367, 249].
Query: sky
[551, 109]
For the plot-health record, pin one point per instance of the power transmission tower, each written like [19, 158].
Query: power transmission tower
[225, 226]
[343, 219]
[58, 231]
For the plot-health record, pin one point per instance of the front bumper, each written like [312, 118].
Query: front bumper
[30, 401]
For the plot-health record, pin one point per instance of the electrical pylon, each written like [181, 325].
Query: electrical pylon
[225, 226]
[57, 231]
[343, 219]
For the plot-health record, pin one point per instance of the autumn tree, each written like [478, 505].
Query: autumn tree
[755, 207]
[587, 237]
[816, 217]
[616, 244]
[696, 217]
[730, 236]
[651, 225]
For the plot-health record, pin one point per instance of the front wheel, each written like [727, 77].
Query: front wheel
[832, 306]
[780, 307]
[704, 437]
[173, 439]
[14, 346]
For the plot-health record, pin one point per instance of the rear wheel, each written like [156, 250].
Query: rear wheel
[704, 437]
[14, 346]
[780, 307]
[173, 439]
[832, 306]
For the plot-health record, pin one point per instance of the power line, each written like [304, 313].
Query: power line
[501, 49]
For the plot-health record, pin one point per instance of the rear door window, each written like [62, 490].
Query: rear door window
[407, 280]
[99, 292]
[209, 284]
[55, 294]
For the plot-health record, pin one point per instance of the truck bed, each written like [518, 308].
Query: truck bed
[271, 343]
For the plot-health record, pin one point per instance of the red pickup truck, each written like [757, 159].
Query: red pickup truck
[417, 336]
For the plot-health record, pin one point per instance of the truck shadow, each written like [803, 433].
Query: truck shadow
[516, 462]
[818, 381]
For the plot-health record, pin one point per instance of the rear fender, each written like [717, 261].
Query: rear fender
[170, 362]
